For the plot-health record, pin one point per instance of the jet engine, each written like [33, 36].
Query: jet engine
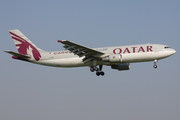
[123, 66]
[113, 58]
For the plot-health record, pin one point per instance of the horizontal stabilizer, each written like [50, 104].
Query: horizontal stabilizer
[18, 55]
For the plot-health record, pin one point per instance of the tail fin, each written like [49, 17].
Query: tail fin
[24, 45]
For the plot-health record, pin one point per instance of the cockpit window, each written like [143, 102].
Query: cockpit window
[166, 47]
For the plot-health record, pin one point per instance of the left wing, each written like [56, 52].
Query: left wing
[81, 51]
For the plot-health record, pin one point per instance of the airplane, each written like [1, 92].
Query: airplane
[75, 55]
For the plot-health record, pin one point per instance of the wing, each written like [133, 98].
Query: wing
[81, 51]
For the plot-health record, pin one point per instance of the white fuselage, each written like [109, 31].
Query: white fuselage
[76, 55]
[129, 54]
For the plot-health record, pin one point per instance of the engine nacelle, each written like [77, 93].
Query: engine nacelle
[123, 66]
[113, 58]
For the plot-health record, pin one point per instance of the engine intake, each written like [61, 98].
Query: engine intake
[123, 66]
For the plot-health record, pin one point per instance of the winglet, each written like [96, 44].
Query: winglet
[59, 41]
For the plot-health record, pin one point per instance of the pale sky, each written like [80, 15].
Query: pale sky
[34, 92]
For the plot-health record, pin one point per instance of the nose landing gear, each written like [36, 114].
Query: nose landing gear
[155, 61]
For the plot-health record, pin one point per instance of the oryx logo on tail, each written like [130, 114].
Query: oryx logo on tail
[24, 46]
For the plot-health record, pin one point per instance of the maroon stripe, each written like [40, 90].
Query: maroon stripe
[16, 36]
[20, 40]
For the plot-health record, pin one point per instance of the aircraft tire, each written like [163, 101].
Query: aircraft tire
[155, 66]
[92, 69]
[98, 73]
[102, 73]
[96, 68]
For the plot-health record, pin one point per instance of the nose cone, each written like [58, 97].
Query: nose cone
[172, 51]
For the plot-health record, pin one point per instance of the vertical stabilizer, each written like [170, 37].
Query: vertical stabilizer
[24, 45]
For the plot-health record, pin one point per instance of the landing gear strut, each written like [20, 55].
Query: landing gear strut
[155, 61]
[94, 68]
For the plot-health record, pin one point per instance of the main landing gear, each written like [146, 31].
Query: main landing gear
[155, 61]
[98, 70]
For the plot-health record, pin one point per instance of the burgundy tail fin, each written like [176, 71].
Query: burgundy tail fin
[24, 45]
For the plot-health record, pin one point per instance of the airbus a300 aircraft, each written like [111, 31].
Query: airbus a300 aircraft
[76, 55]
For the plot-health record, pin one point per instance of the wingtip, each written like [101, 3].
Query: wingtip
[7, 51]
[59, 41]
[62, 41]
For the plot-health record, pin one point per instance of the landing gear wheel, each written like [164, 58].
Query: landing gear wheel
[155, 66]
[102, 73]
[98, 73]
[92, 69]
[96, 68]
